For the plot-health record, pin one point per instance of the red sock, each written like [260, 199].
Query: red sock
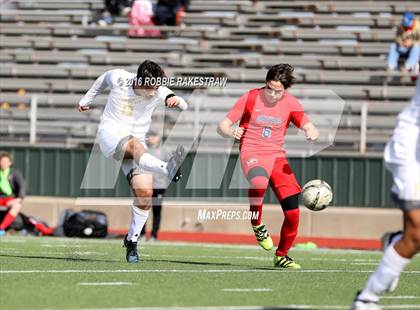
[256, 204]
[8, 219]
[288, 232]
[44, 229]
[256, 197]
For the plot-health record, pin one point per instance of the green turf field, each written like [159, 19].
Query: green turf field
[58, 273]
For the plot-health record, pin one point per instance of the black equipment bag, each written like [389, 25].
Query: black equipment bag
[85, 224]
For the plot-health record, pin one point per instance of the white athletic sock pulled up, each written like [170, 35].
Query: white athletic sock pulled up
[389, 269]
[138, 220]
[153, 164]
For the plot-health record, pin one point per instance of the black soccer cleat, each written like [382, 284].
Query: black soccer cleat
[132, 255]
[174, 164]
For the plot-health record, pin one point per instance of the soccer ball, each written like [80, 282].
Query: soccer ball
[316, 195]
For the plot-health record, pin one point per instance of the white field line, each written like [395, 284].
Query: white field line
[256, 247]
[400, 297]
[103, 283]
[48, 245]
[357, 261]
[4, 240]
[415, 306]
[216, 257]
[364, 264]
[407, 306]
[190, 271]
[345, 259]
[66, 241]
[70, 252]
[10, 251]
[240, 290]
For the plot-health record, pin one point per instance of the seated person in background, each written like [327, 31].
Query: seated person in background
[170, 12]
[407, 44]
[141, 14]
[12, 190]
[114, 8]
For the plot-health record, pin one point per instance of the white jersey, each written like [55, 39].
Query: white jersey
[125, 111]
[402, 152]
[411, 113]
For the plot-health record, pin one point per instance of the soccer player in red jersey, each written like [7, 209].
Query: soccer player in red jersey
[264, 116]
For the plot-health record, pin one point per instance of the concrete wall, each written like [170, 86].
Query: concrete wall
[339, 222]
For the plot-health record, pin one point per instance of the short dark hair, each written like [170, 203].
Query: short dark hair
[281, 73]
[149, 70]
[6, 154]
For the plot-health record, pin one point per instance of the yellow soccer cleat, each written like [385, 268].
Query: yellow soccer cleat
[285, 262]
[263, 238]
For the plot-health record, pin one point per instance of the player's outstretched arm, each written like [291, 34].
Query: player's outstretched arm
[311, 132]
[98, 86]
[226, 131]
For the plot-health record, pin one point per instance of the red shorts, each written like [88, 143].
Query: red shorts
[5, 200]
[277, 169]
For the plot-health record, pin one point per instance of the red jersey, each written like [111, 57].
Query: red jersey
[268, 123]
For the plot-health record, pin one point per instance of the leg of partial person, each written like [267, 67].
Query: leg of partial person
[15, 206]
[396, 257]
[157, 210]
[413, 57]
[393, 57]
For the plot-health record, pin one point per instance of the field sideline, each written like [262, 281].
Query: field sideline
[59, 273]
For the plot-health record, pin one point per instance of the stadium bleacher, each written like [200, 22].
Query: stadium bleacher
[55, 51]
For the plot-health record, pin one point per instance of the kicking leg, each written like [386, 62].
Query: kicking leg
[133, 149]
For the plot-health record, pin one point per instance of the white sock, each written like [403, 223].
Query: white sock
[388, 270]
[138, 219]
[151, 163]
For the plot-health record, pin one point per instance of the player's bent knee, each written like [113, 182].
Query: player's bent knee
[258, 178]
[412, 225]
[290, 203]
[16, 205]
[414, 237]
[143, 206]
[257, 189]
[410, 242]
[133, 149]
[144, 192]
[258, 183]
[258, 173]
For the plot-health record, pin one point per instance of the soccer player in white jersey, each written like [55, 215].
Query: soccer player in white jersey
[122, 132]
[402, 158]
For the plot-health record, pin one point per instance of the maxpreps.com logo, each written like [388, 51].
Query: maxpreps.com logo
[226, 215]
